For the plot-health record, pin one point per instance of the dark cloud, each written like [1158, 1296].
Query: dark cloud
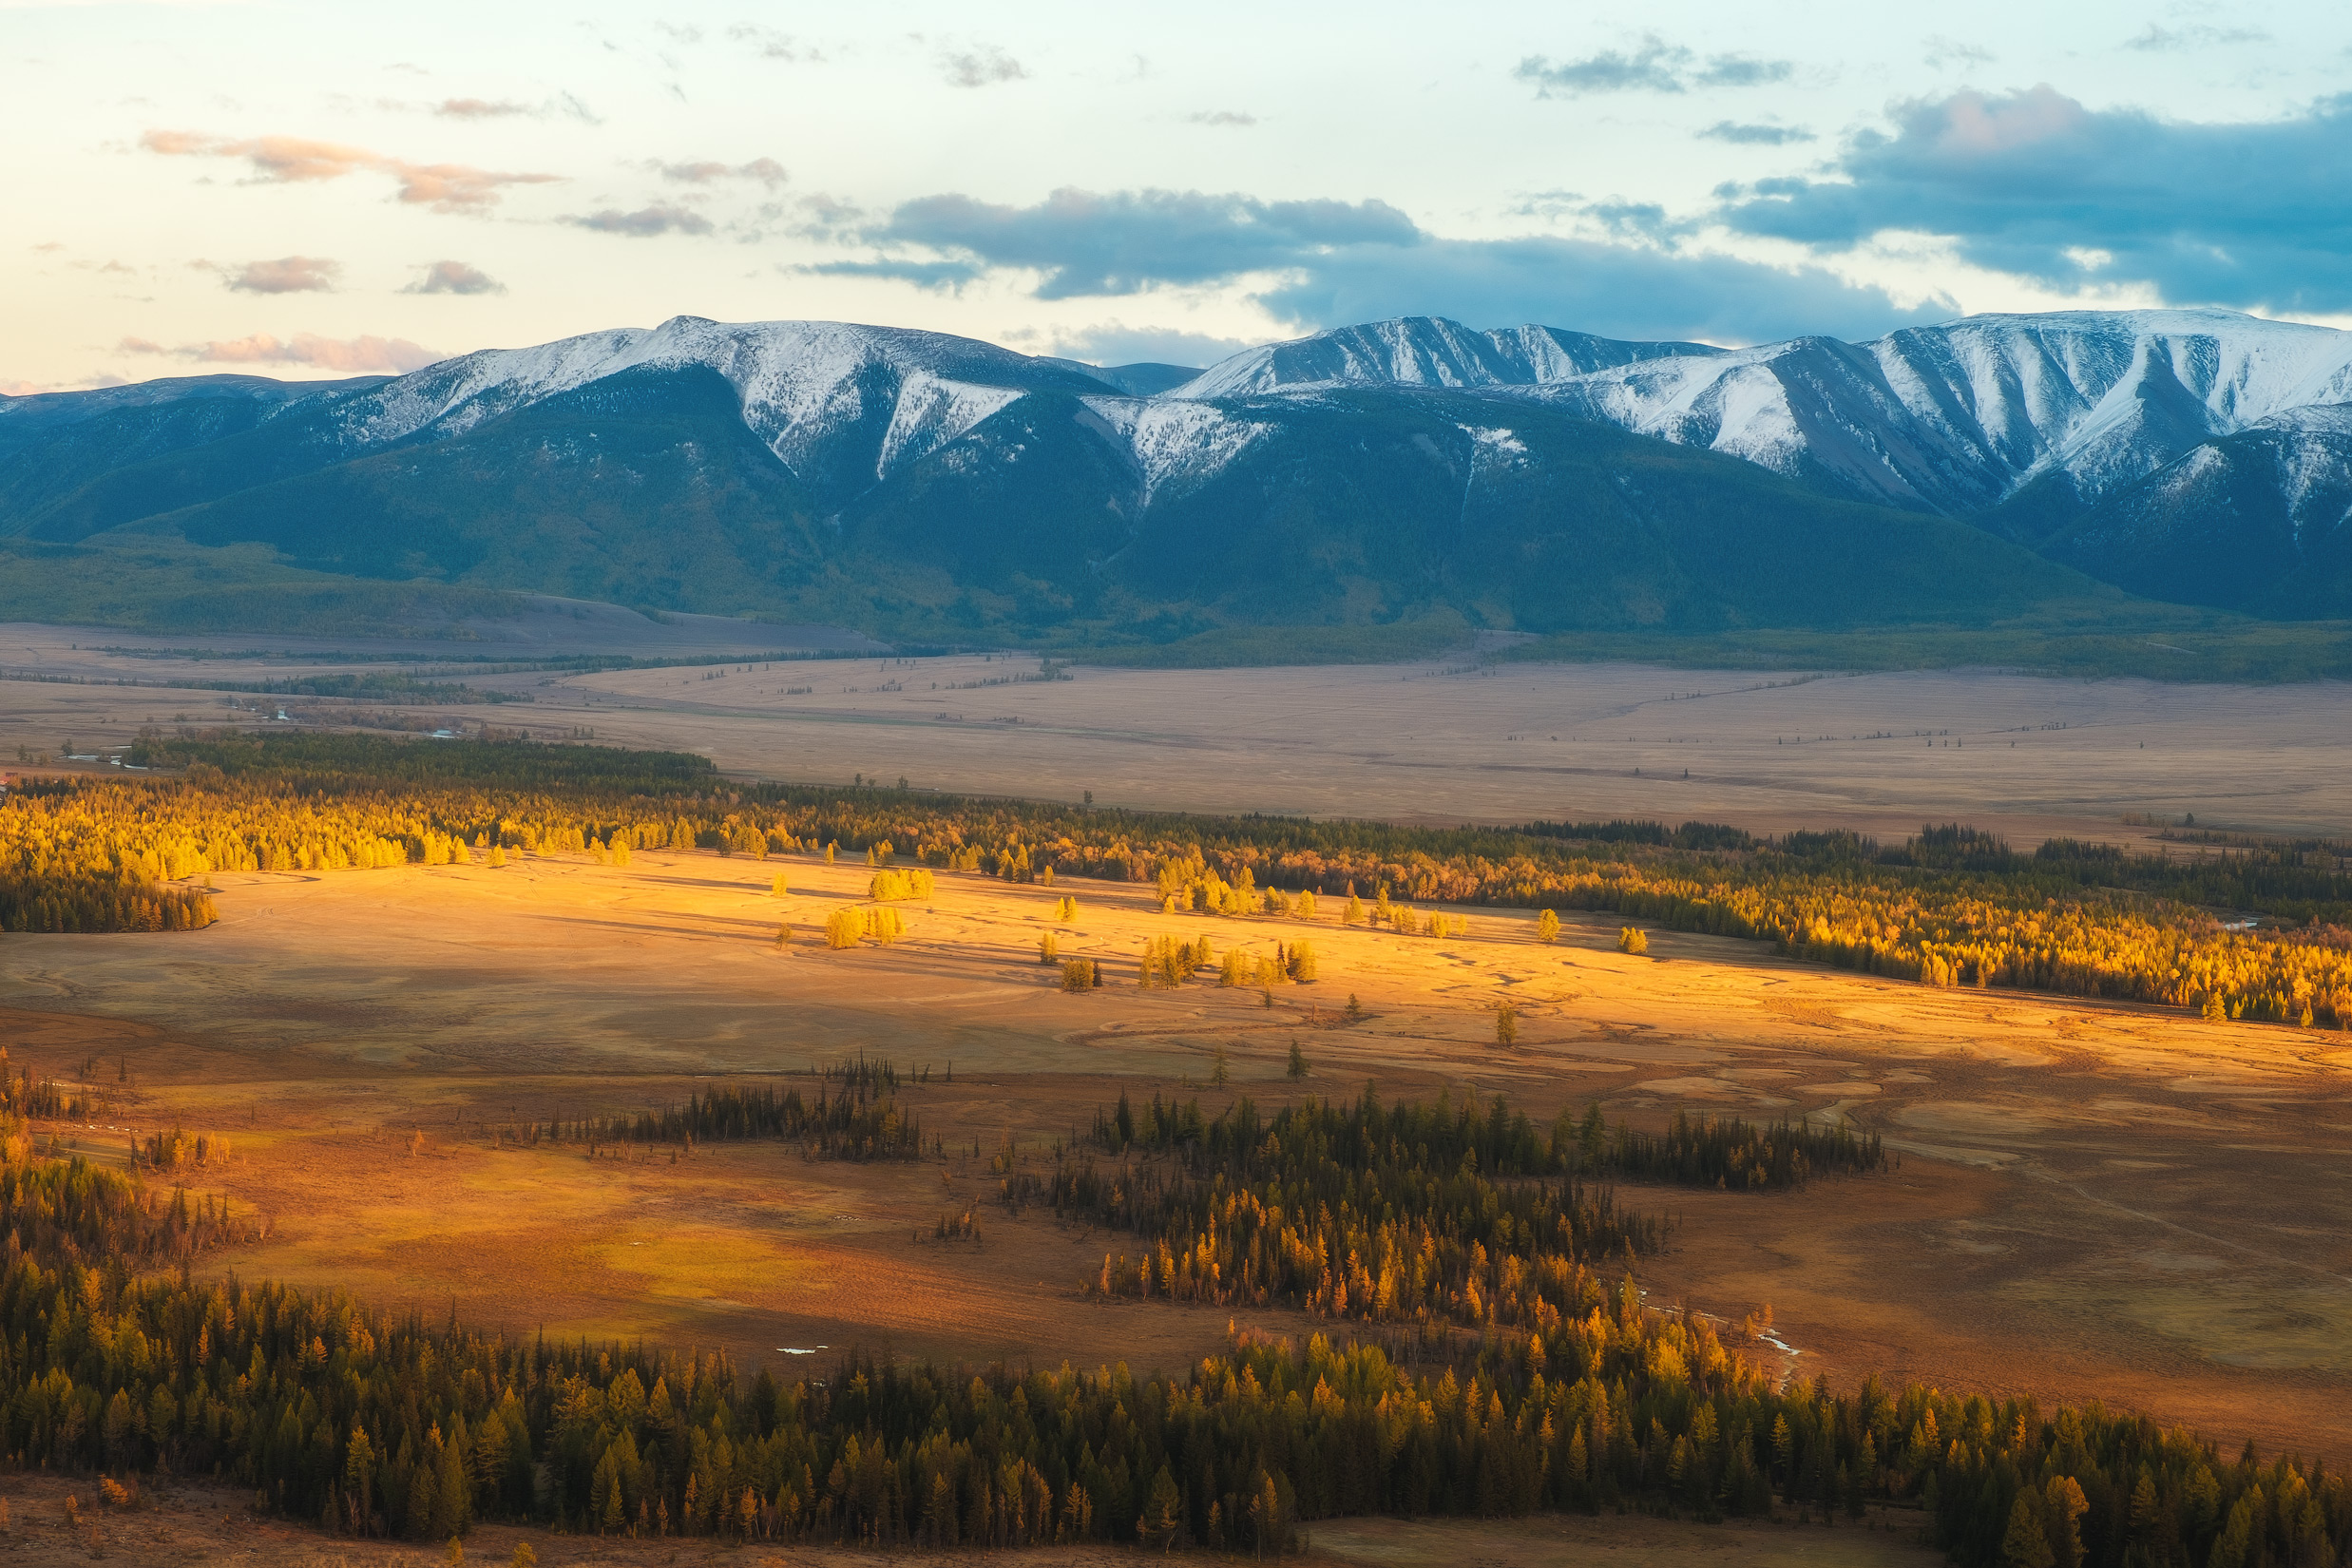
[455, 278]
[645, 222]
[1654, 67]
[1742, 70]
[978, 67]
[1756, 135]
[287, 275]
[2035, 184]
[923, 275]
[1341, 262]
[1082, 242]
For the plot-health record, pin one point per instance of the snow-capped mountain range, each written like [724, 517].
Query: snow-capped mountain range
[2093, 436]
[1958, 418]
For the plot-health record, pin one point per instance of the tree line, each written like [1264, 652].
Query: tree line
[1949, 908]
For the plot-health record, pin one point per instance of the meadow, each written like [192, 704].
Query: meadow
[428, 1074]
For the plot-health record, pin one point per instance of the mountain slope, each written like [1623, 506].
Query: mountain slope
[1530, 477]
[642, 487]
[2258, 521]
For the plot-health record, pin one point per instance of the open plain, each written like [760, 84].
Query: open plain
[2091, 1202]
[1453, 740]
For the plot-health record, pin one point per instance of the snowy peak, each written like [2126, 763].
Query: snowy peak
[802, 385]
[1422, 351]
[1957, 417]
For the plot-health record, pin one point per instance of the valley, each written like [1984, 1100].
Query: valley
[1454, 739]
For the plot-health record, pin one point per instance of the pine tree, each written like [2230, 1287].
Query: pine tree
[1298, 1062]
[2026, 1545]
[1162, 1508]
[1547, 927]
[1506, 1025]
[1221, 1073]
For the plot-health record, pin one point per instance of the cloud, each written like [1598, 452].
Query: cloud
[1117, 343]
[923, 275]
[1332, 262]
[645, 222]
[980, 67]
[2035, 184]
[480, 108]
[771, 45]
[287, 275]
[1654, 67]
[455, 278]
[766, 170]
[1125, 241]
[351, 355]
[1941, 52]
[1756, 135]
[287, 159]
[2156, 40]
[1616, 290]
[1220, 117]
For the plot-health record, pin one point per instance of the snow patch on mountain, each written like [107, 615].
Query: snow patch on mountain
[1174, 441]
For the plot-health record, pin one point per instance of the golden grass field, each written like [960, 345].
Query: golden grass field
[2093, 1202]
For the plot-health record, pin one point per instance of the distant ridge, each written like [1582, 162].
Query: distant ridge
[903, 477]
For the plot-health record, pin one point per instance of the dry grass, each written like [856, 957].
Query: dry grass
[1880, 752]
[2111, 1202]
[1628, 1542]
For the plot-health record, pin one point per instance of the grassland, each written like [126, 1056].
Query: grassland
[1770, 750]
[2084, 1208]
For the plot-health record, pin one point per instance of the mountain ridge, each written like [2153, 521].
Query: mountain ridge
[2075, 435]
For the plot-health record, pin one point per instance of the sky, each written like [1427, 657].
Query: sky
[326, 189]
